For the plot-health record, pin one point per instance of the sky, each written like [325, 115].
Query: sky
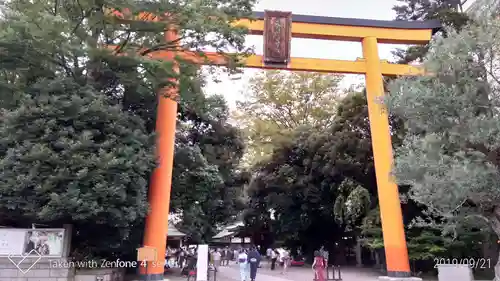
[233, 88]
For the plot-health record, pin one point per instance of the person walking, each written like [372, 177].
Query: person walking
[254, 259]
[223, 256]
[274, 258]
[268, 255]
[325, 255]
[227, 256]
[285, 257]
[242, 260]
[319, 266]
[216, 256]
[190, 264]
[235, 254]
[182, 258]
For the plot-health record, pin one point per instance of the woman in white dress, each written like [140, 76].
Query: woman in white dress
[243, 263]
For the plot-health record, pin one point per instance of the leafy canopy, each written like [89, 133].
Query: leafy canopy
[68, 151]
[78, 120]
[449, 157]
[207, 184]
[450, 14]
[296, 189]
[278, 102]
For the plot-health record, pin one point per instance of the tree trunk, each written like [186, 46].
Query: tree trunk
[495, 224]
[378, 265]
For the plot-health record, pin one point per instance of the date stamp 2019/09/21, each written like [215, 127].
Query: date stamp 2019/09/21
[474, 263]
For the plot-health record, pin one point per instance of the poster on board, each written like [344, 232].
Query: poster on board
[11, 241]
[44, 242]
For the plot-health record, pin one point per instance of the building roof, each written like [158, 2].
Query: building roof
[229, 230]
[223, 234]
[174, 232]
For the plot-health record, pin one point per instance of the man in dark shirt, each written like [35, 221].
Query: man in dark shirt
[254, 261]
[226, 256]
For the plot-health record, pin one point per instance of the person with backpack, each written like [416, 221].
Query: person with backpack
[319, 266]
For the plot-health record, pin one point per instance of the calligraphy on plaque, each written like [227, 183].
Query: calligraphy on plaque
[277, 37]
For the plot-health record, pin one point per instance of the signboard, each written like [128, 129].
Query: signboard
[146, 254]
[277, 37]
[455, 272]
[21, 242]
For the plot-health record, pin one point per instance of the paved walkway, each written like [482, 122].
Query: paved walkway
[231, 273]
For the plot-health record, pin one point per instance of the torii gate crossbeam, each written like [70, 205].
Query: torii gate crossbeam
[369, 33]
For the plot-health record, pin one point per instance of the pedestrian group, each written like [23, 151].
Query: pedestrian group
[249, 261]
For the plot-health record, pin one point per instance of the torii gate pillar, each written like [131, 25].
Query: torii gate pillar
[396, 252]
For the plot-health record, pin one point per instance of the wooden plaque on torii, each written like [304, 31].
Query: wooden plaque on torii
[277, 37]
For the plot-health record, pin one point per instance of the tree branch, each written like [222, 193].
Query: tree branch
[160, 47]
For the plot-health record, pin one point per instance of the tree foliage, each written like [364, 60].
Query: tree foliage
[278, 102]
[78, 120]
[296, 190]
[425, 9]
[449, 13]
[482, 8]
[424, 243]
[69, 156]
[450, 155]
[207, 182]
[352, 204]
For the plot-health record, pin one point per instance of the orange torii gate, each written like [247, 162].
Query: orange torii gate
[278, 28]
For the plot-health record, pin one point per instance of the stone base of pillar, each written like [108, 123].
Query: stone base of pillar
[387, 278]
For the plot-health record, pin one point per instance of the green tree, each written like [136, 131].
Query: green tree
[481, 8]
[352, 204]
[70, 156]
[424, 243]
[449, 155]
[426, 9]
[296, 189]
[450, 13]
[278, 102]
[207, 184]
[78, 120]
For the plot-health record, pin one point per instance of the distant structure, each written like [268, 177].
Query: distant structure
[232, 234]
[481, 8]
[174, 237]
